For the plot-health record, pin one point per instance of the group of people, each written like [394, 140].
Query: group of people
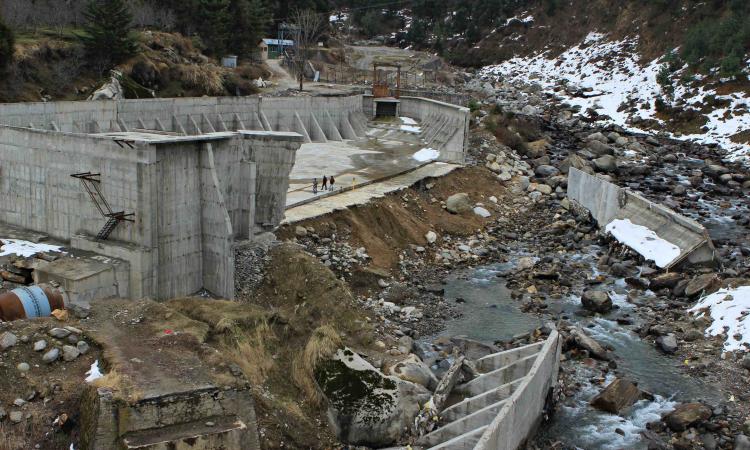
[327, 184]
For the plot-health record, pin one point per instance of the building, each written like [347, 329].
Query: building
[275, 47]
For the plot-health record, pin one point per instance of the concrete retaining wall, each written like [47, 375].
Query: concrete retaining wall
[191, 196]
[445, 126]
[521, 414]
[607, 201]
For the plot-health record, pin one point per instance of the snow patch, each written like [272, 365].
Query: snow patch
[607, 77]
[644, 241]
[25, 248]
[729, 309]
[426, 154]
[410, 125]
[93, 373]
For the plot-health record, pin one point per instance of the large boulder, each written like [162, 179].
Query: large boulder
[606, 163]
[686, 415]
[596, 301]
[667, 344]
[618, 395]
[573, 160]
[458, 203]
[599, 149]
[412, 369]
[366, 407]
[666, 280]
[545, 170]
[706, 283]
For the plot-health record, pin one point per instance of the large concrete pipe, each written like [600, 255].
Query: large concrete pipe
[29, 302]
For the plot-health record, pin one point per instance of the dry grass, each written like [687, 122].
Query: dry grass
[207, 78]
[251, 352]
[119, 384]
[323, 343]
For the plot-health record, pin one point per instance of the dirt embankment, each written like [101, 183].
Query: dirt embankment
[387, 226]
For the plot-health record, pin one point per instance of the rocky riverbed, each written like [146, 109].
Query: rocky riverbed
[534, 258]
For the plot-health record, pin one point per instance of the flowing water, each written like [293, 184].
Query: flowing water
[490, 314]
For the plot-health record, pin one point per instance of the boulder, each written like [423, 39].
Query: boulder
[606, 163]
[412, 369]
[599, 149]
[667, 344]
[536, 149]
[618, 395]
[706, 283]
[366, 407]
[431, 237]
[666, 280]
[300, 231]
[596, 301]
[686, 415]
[598, 136]
[573, 160]
[458, 203]
[545, 170]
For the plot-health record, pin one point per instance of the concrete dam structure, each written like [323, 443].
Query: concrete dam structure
[163, 189]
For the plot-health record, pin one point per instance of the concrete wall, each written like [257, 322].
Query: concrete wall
[522, 413]
[72, 117]
[445, 126]
[38, 193]
[607, 201]
[191, 196]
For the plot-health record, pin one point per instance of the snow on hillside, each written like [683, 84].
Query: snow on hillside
[606, 76]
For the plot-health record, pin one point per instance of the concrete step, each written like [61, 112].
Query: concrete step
[466, 441]
[503, 375]
[502, 359]
[466, 424]
[471, 404]
[213, 433]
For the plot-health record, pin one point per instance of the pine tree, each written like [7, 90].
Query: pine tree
[108, 38]
[248, 22]
[7, 42]
[213, 26]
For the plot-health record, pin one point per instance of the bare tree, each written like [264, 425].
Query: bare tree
[307, 28]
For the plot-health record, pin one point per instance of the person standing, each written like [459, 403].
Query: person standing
[324, 186]
[315, 185]
[332, 181]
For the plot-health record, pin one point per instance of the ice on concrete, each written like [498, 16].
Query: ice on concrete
[25, 248]
[426, 154]
[729, 309]
[93, 373]
[644, 241]
[410, 125]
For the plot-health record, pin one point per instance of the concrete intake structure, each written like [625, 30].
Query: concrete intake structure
[503, 405]
[608, 202]
[165, 187]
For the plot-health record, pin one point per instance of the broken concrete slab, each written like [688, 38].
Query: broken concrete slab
[608, 202]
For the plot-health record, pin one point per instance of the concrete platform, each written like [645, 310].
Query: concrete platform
[364, 194]
[384, 152]
[172, 392]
